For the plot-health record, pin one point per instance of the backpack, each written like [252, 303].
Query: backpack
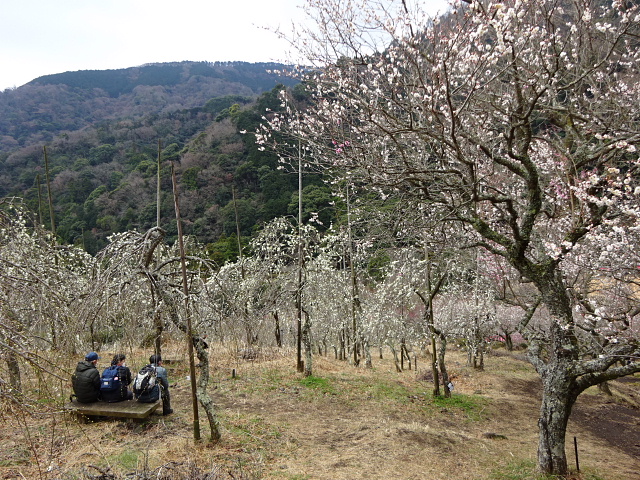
[145, 380]
[110, 379]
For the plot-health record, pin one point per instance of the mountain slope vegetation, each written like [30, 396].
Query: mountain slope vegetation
[52, 104]
[103, 131]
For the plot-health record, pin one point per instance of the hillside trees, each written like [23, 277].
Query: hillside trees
[53, 104]
[103, 177]
[519, 120]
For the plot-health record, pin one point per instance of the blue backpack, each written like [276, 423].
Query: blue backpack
[110, 379]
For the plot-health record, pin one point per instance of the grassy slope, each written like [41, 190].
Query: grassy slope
[342, 423]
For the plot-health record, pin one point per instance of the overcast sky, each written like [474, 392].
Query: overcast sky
[42, 37]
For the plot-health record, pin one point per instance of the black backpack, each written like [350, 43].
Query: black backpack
[110, 379]
[145, 380]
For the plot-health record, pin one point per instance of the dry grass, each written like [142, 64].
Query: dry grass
[342, 423]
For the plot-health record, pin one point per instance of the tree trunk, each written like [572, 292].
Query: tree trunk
[14, 371]
[202, 394]
[404, 353]
[558, 398]
[367, 354]
[443, 367]
[395, 358]
[278, 330]
[171, 300]
[308, 346]
[434, 365]
[508, 341]
[555, 358]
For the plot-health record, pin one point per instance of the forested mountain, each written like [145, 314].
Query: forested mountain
[68, 101]
[102, 130]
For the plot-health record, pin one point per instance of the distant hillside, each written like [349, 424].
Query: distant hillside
[255, 76]
[65, 102]
[102, 130]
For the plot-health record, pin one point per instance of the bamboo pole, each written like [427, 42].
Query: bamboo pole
[235, 209]
[299, 364]
[355, 301]
[46, 169]
[185, 288]
[39, 201]
[157, 317]
[158, 186]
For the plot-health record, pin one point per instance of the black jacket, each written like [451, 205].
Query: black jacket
[122, 394]
[86, 382]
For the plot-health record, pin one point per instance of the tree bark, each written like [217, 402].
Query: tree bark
[434, 365]
[443, 367]
[604, 388]
[508, 341]
[395, 358]
[278, 330]
[368, 363]
[14, 371]
[308, 347]
[558, 398]
[202, 394]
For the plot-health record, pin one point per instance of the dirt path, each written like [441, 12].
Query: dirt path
[616, 424]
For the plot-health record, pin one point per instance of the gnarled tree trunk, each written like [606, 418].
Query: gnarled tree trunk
[558, 397]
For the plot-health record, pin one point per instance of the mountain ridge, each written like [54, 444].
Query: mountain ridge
[63, 102]
[103, 148]
[123, 80]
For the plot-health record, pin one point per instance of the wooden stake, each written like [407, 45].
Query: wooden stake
[185, 287]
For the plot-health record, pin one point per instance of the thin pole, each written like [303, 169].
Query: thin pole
[434, 358]
[158, 186]
[235, 209]
[354, 285]
[575, 446]
[300, 366]
[46, 170]
[185, 288]
[39, 200]
[158, 315]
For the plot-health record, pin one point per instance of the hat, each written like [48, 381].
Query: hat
[91, 356]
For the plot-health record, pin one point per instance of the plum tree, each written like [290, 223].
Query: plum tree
[519, 120]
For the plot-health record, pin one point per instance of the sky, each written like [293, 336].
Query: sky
[43, 37]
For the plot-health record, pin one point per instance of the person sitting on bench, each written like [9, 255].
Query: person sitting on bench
[115, 381]
[160, 387]
[86, 379]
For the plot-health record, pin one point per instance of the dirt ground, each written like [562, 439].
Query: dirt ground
[343, 423]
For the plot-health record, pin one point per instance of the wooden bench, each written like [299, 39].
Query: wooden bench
[129, 409]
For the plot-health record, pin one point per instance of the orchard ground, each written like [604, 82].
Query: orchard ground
[342, 423]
